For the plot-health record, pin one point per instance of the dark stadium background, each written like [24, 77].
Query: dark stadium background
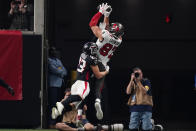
[165, 51]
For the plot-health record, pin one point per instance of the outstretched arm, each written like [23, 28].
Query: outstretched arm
[106, 16]
[103, 10]
[93, 24]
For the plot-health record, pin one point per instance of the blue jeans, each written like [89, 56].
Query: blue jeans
[136, 118]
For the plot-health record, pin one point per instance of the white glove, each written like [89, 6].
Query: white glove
[102, 8]
[108, 10]
[107, 68]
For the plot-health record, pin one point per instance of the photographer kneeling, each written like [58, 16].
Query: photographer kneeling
[140, 101]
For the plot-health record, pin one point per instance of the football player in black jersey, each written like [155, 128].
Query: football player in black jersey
[80, 89]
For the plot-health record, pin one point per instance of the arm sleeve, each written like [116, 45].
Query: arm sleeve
[95, 19]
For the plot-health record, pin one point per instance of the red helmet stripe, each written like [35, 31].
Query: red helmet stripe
[115, 27]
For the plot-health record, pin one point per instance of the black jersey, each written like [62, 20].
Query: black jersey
[84, 70]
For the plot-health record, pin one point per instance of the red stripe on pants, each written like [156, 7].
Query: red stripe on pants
[86, 83]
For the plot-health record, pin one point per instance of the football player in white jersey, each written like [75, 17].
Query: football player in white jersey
[109, 38]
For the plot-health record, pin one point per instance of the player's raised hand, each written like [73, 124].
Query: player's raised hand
[102, 8]
[108, 10]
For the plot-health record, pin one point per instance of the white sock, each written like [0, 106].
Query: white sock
[98, 100]
[79, 112]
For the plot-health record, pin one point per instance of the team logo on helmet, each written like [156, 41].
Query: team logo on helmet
[116, 29]
[90, 48]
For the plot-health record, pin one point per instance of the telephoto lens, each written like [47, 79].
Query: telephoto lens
[117, 127]
[114, 127]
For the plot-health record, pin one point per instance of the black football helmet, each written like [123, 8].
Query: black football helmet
[90, 48]
[116, 29]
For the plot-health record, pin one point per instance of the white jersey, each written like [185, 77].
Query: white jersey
[107, 46]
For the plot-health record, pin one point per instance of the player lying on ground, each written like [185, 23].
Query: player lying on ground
[69, 118]
[80, 89]
[69, 121]
[109, 38]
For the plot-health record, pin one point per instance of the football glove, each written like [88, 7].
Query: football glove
[108, 10]
[102, 8]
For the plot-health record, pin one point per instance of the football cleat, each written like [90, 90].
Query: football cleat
[99, 113]
[60, 107]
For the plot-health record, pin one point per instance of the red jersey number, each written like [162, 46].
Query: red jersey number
[106, 48]
[82, 65]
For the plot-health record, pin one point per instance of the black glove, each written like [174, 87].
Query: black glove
[10, 90]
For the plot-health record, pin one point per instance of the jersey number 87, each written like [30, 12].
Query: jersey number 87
[106, 48]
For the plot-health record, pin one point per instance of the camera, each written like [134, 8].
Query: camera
[136, 75]
[16, 2]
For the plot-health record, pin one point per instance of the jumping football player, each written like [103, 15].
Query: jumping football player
[109, 38]
[80, 89]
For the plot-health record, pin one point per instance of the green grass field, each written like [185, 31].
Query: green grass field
[31, 130]
[27, 130]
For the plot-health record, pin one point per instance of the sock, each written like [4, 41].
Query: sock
[98, 100]
[79, 112]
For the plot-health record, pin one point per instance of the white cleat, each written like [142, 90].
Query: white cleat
[158, 127]
[55, 113]
[60, 107]
[99, 113]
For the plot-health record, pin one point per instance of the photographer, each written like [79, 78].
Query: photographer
[20, 15]
[140, 101]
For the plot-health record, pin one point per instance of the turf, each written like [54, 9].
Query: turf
[27, 130]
